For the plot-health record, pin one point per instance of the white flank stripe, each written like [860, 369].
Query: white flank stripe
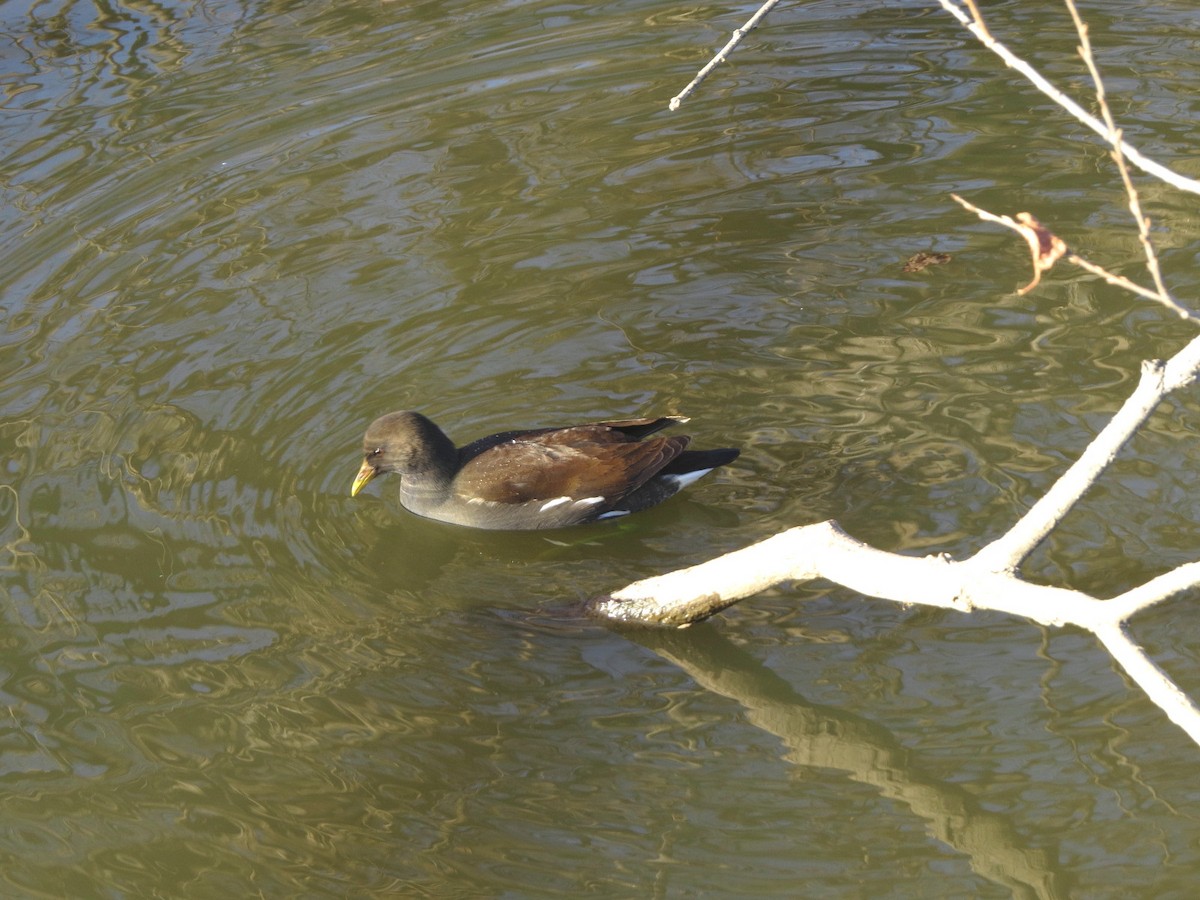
[557, 501]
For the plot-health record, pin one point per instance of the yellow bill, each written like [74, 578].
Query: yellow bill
[365, 474]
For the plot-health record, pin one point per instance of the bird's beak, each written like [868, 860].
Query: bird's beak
[365, 474]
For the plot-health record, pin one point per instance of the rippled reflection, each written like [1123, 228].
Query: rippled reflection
[239, 231]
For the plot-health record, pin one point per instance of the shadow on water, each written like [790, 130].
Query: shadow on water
[827, 739]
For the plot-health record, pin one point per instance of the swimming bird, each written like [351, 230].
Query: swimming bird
[543, 478]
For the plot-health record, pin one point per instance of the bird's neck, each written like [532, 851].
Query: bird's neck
[429, 485]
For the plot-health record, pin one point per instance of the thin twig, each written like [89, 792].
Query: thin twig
[1023, 229]
[1121, 281]
[977, 16]
[722, 54]
[1114, 138]
[976, 27]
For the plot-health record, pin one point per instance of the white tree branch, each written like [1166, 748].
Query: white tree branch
[1182, 578]
[1151, 679]
[1007, 552]
[988, 579]
[976, 27]
[824, 550]
[721, 55]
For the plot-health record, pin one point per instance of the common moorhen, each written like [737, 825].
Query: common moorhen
[544, 478]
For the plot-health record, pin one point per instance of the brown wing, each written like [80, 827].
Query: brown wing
[553, 465]
[615, 432]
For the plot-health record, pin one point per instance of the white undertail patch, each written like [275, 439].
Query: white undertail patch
[679, 482]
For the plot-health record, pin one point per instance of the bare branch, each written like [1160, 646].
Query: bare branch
[1114, 138]
[1151, 679]
[1121, 281]
[987, 579]
[825, 551]
[1048, 248]
[1156, 382]
[976, 27]
[1165, 586]
[722, 54]
[977, 16]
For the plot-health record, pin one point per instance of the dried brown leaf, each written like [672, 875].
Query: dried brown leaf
[1047, 248]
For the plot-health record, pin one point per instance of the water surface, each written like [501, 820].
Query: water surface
[236, 232]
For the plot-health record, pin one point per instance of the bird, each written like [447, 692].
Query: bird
[541, 478]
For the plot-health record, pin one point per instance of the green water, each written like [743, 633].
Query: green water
[235, 233]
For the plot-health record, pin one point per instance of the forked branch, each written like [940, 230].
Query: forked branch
[989, 578]
[974, 23]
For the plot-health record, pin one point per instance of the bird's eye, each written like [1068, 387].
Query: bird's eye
[374, 453]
